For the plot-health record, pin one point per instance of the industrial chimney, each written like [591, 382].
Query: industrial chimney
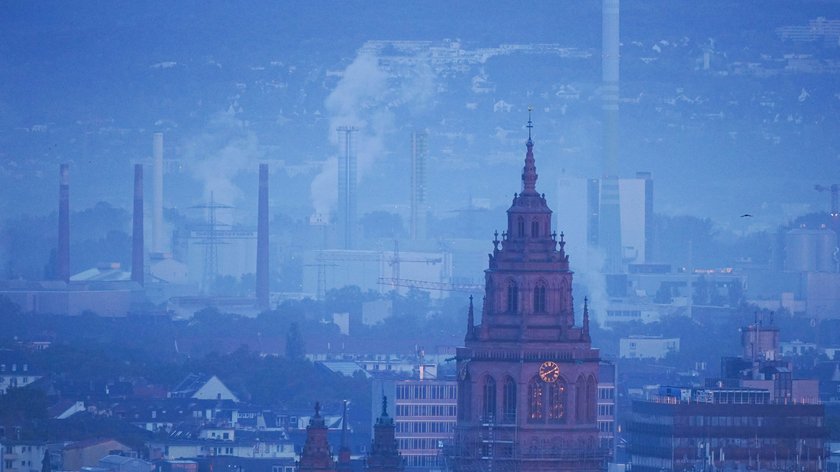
[609, 227]
[62, 270]
[137, 227]
[262, 240]
[157, 193]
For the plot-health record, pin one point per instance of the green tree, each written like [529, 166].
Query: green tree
[295, 348]
[45, 462]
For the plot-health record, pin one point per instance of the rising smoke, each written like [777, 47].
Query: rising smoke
[219, 154]
[368, 97]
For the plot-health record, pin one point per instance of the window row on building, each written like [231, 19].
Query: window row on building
[425, 410]
[446, 427]
[406, 444]
[606, 393]
[422, 461]
[606, 409]
[757, 421]
[426, 392]
[606, 426]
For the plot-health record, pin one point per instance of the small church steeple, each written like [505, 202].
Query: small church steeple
[316, 456]
[384, 456]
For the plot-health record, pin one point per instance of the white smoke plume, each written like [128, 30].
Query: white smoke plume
[225, 149]
[592, 275]
[367, 97]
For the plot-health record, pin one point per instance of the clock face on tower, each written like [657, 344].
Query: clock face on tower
[549, 371]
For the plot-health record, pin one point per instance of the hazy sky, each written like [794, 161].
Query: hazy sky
[729, 109]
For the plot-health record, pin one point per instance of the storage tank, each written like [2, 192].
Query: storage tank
[810, 250]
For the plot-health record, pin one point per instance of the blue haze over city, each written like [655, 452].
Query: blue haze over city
[215, 214]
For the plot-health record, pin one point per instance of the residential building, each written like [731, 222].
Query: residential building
[87, 453]
[726, 429]
[203, 387]
[424, 412]
[117, 463]
[21, 456]
[607, 407]
[647, 347]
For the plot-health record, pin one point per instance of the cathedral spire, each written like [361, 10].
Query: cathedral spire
[529, 173]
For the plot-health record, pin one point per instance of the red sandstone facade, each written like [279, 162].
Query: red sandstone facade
[528, 377]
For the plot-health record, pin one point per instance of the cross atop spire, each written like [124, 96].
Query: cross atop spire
[529, 173]
[530, 123]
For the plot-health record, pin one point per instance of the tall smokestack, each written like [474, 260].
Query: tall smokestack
[347, 187]
[262, 240]
[610, 79]
[609, 237]
[62, 269]
[157, 193]
[137, 227]
[418, 185]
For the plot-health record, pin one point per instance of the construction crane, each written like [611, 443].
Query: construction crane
[833, 188]
[396, 259]
[427, 285]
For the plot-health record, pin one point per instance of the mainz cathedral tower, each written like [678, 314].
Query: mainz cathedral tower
[527, 376]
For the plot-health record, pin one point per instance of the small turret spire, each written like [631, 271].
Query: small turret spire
[344, 426]
[470, 320]
[344, 452]
[529, 173]
[586, 318]
[384, 406]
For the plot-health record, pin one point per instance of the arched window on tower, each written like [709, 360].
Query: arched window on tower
[512, 298]
[509, 399]
[535, 229]
[557, 401]
[539, 297]
[488, 405]
[465, 395]
[580, 400]
[536, 400]
[591, 402]
[520, 227]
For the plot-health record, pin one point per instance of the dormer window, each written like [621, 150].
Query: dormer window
[535, 229]
[520, 226]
